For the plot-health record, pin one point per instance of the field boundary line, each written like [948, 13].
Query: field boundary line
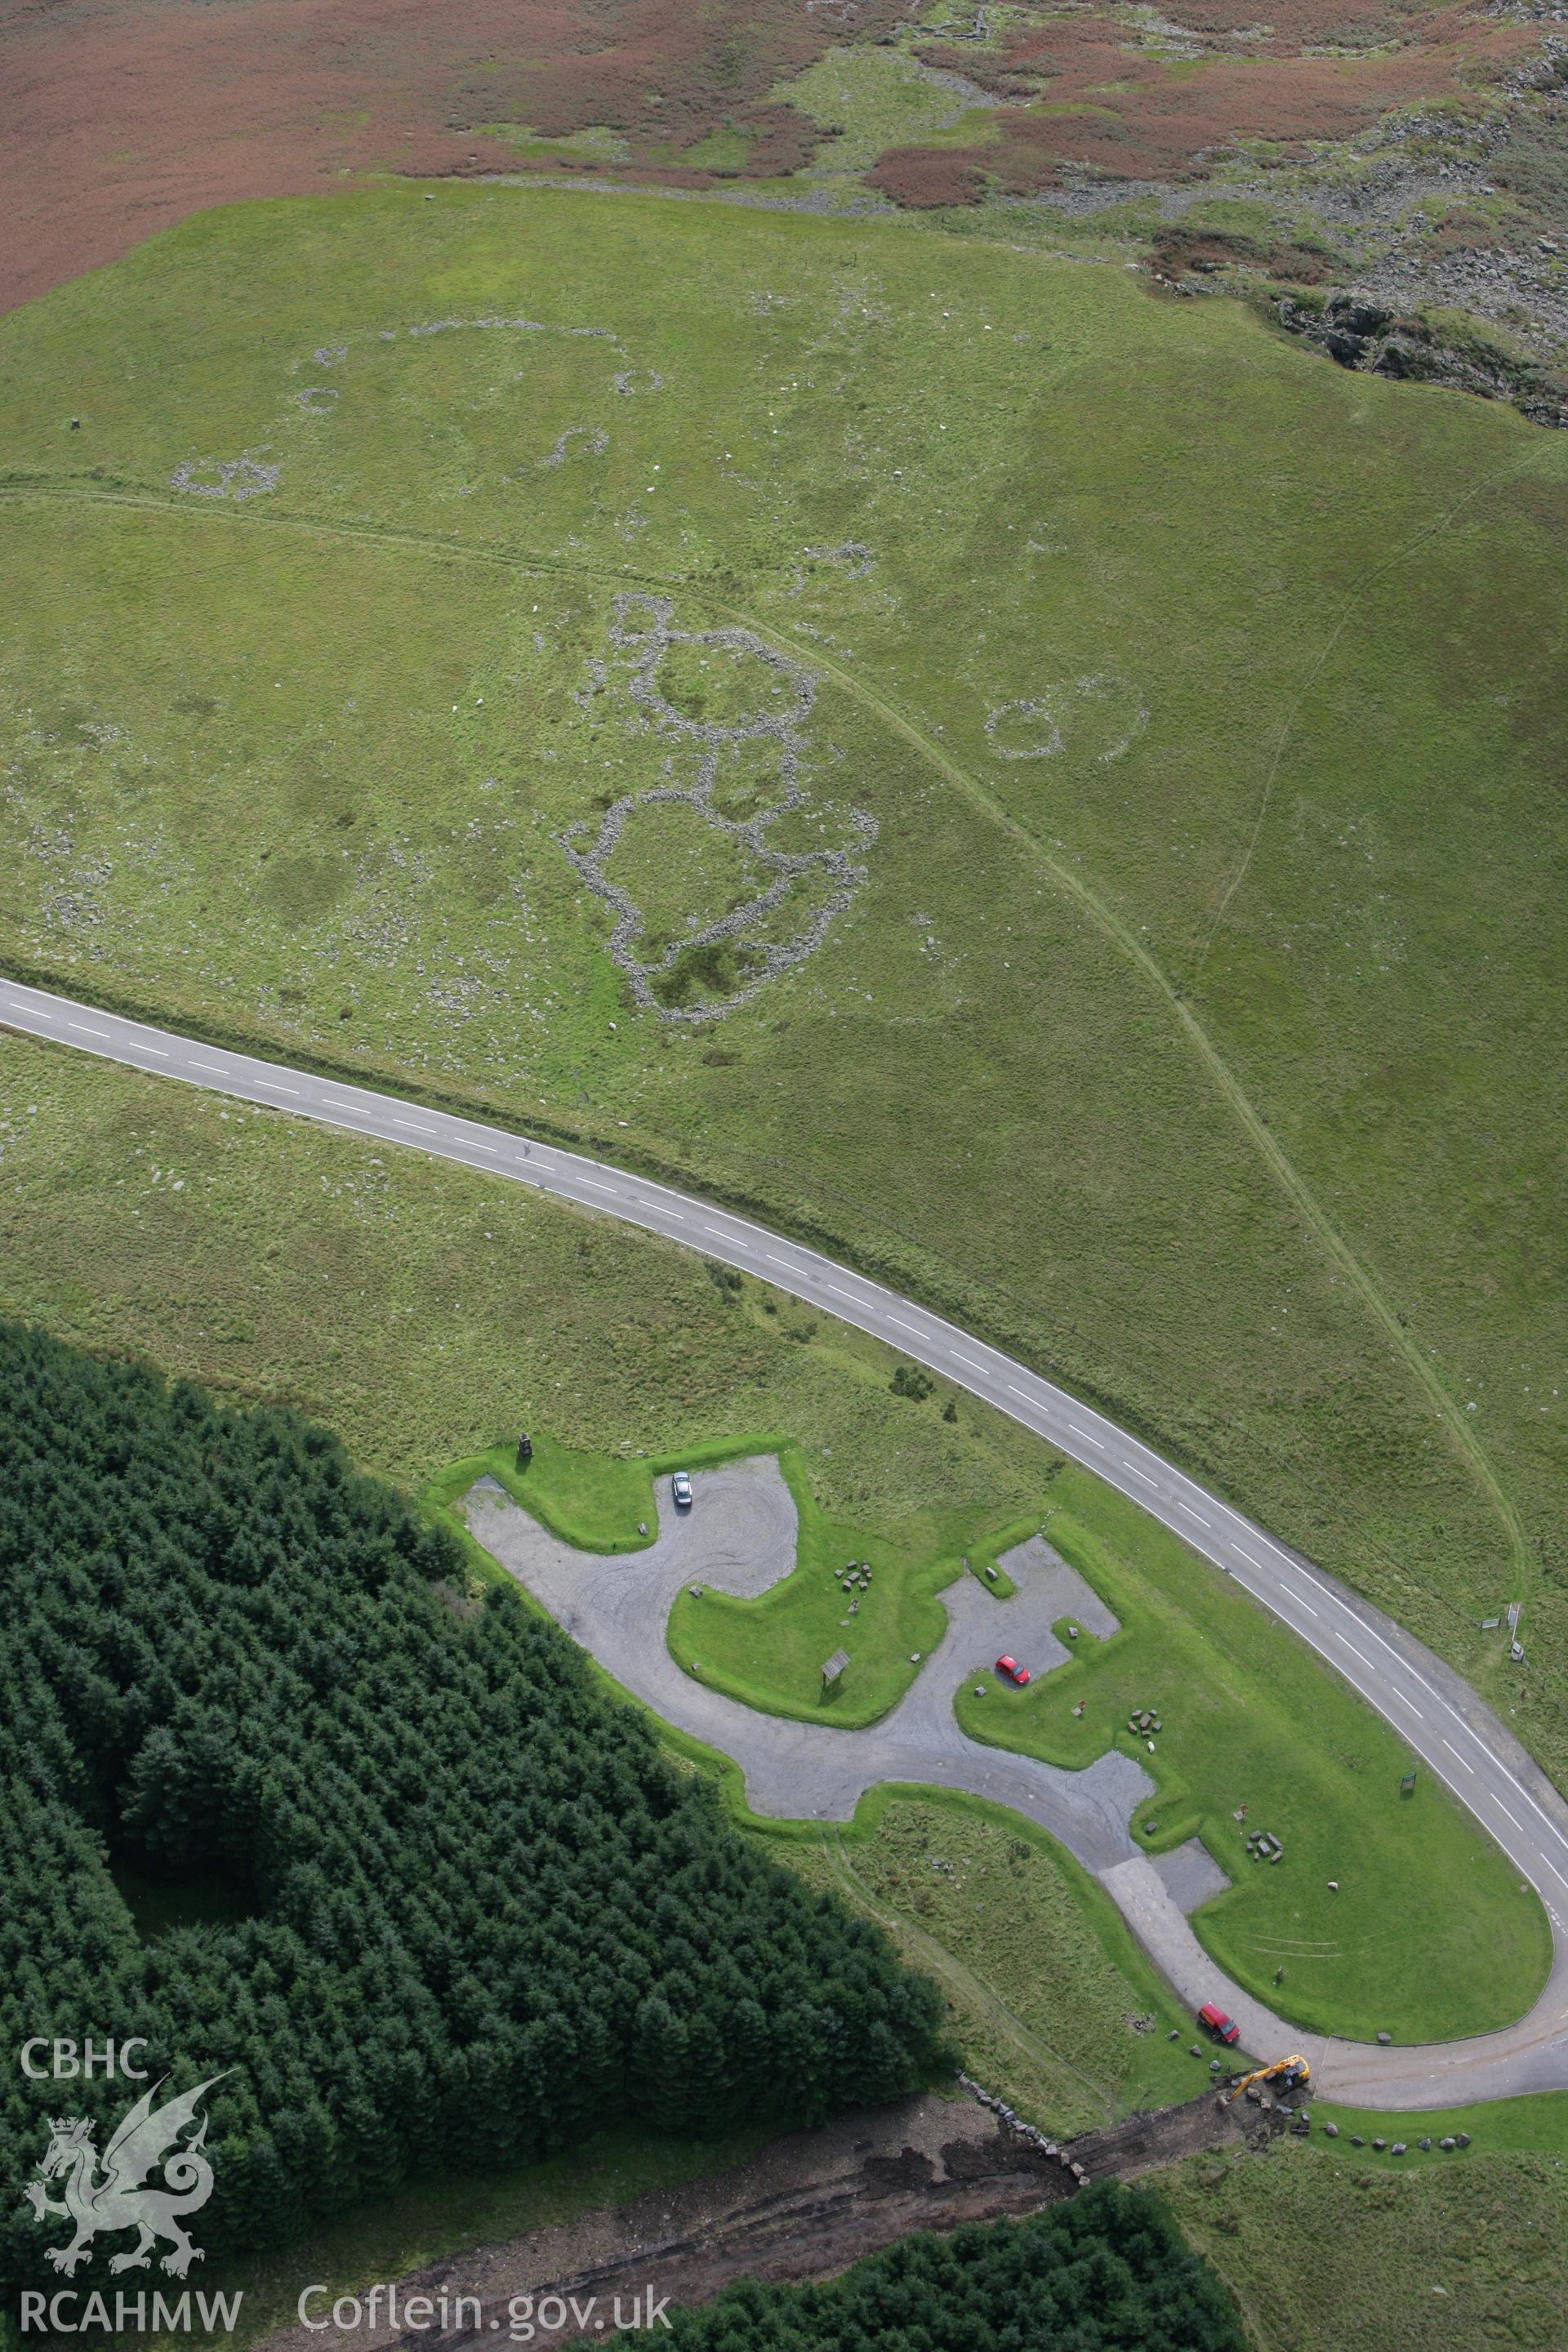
[83, 490]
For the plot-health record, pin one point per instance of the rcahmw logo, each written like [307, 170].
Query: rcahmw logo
[153, 2174]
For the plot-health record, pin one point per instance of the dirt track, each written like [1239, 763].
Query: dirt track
[805, 2207]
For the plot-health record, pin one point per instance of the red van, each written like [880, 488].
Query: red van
[1222, 2027]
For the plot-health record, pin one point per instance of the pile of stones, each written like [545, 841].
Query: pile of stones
[854, 1577]
[1024, 2131]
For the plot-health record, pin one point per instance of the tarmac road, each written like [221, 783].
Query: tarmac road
[1436, 1714]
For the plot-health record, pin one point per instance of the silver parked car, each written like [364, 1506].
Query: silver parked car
[680, 1487]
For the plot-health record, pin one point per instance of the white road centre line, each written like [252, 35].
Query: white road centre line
[1519, 1785]
[49, 1020]
[1371, 1631]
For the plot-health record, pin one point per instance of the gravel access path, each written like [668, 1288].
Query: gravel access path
[740, 1537]
[1440, 1718]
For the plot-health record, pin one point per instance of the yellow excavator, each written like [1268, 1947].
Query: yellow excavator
[1290, 2073]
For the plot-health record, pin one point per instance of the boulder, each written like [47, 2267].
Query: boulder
[1444, 2143]
[1357, 314]
[1386, 2038]
[1349, 350]
[1461, 2139]
[1402, 357]
[1332, 2130]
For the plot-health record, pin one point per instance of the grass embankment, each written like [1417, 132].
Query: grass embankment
[301, 765]
[1386, 1913]
[1428, 1934]
[769, 1651]
[1049, 1998]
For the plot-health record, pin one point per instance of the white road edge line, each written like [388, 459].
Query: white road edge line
[51, 1016]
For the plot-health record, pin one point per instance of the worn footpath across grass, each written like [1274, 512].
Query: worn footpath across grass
[426, 1313]
[1181, 936]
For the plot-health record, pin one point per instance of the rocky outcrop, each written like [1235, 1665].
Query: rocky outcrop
[1360, 330]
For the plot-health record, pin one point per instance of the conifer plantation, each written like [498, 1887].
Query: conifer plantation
[445, 1905]
[1107, 2272]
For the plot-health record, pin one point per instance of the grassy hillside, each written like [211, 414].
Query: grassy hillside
[427, 1313]
[1131, 796]
[1467, 2253]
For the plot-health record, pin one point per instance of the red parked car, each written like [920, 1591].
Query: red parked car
[1222, 2028]
[1012, 1671]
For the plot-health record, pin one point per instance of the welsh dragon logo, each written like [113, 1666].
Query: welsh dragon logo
[116, 2197]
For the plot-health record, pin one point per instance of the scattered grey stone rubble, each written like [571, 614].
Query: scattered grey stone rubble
[1362, 331]
[224, 478]
[1025, 2131]
[642, 632]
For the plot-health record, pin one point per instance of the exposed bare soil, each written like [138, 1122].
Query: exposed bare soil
[805, 2207]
